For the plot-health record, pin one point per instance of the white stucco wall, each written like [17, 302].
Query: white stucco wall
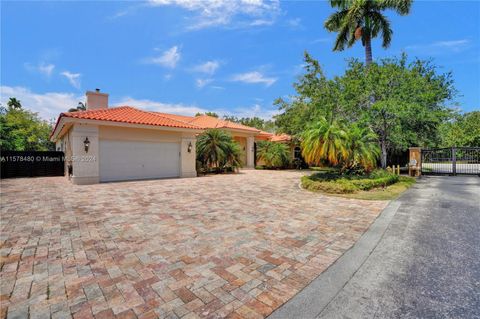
[188, 159]
[85, 164]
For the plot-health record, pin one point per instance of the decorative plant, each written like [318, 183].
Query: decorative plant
[351, 148]
[217, 150]
[275, 155]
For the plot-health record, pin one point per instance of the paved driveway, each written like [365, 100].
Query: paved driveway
[220, 246]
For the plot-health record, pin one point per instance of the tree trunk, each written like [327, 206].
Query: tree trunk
[383, 156]
[368, 51]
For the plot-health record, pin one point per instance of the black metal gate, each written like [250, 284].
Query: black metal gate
[31, 164]
[451, 161]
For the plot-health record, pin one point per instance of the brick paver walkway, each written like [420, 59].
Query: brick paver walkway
[234, 246]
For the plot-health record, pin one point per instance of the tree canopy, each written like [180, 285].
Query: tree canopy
[23, 130]
[256, 122]
[462, 130]
[404, 102]
[212, 114]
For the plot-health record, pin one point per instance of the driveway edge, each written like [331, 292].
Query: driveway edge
[311, 301]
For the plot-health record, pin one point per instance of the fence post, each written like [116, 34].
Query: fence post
[454, 161]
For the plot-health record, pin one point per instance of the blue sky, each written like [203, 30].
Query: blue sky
[188, 56]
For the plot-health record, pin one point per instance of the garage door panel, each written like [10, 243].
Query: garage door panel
[127, 160]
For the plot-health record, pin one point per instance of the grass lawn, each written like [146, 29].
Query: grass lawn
[379, 185]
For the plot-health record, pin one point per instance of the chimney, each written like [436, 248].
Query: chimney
[96, 100]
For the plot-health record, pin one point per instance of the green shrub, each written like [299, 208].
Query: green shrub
[345, 184]
[275, 155]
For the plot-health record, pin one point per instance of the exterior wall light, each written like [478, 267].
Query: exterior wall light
[86, 143]
[189, 148]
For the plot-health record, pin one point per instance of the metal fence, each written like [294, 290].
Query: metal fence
[451, 161]
[31, 164]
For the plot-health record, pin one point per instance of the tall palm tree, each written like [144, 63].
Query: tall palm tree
[14, 103]
[363, 20]
[325, 141]
[216, 148]
[80, 107]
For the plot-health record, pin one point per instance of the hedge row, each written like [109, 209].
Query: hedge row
[346, 186]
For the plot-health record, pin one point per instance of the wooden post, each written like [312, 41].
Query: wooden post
[398, 170]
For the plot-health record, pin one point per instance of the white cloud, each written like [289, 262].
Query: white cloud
[73, 78]
[254, 110]
[43, 68]
[294, 23]
[209, 67]
[174, 108]
[168, 58]
[48, 105]
[440, 47]
[200, 83]
[254, 77]
[226, 12]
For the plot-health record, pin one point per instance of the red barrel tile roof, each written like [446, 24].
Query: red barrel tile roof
[127, 114]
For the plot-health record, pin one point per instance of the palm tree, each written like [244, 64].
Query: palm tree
[14, 103]
[325, 142]
[275, 155]
[80, 107]
[363, 19]
[363, 147]
[217, 149]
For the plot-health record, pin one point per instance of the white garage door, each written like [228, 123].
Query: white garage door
[122, 160]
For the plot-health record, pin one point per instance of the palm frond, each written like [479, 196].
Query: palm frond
[402, 7]
[381, 25]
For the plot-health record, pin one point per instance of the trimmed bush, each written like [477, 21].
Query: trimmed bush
[347, 184]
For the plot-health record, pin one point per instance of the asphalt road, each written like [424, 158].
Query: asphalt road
[419, 259]
[427, 264]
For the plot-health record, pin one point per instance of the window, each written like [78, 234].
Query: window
[297, 153]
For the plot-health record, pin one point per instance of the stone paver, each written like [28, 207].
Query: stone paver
[234, 246]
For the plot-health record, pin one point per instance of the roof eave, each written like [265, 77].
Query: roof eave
[65, 119]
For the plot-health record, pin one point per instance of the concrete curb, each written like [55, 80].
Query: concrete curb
[311, 301]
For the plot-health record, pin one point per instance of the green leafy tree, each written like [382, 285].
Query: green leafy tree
[256, 122]
[403, 102]
[212, 114]
[363, 20]
[463, 130]
[217, 149]
[23, 130]
[316, 97]
[274, 155]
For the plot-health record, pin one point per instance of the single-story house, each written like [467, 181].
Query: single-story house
[105, 144]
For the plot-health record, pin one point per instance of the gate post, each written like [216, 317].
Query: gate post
[454, 161]
[415, 161]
